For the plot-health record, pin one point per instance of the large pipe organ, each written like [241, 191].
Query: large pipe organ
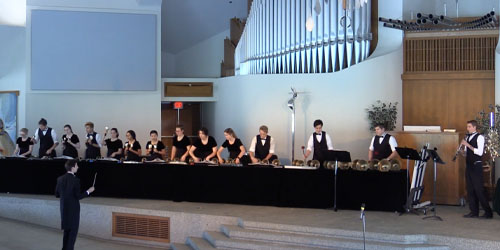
[304, 36]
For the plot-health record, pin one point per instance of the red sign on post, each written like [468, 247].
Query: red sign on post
[178, 105]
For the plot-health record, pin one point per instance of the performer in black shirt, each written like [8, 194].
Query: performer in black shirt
[383, 145]
[204, 148]
[47, 138]
[70, 142]
[180, 145]
[319, 142]
[234, 146]
[132, 147]
[114, 145]
[262, 146]
[24, 144]
[93, 142]
[155, 149]
[474, 149]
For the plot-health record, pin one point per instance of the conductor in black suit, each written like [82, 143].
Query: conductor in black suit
[68, 189]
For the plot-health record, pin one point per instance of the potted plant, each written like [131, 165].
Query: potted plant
[383, 113]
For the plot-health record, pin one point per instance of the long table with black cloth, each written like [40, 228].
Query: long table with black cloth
[252, 185]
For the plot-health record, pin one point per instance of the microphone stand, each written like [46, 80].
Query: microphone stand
[335, 191]
[363, 218]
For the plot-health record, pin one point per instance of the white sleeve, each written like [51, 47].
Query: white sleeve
[480, 145]
[98, 139]
[371, 148]
[252, 145]
[271, 148]
[36, 135]
[54, 136]
[393, 143]
[329, 143]
[310, 144]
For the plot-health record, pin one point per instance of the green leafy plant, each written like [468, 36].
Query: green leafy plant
[483, 118]
[492, 135]
[383, 113]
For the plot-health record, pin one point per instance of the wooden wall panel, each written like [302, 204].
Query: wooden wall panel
[188, 89]
[447, 99]
[451, 176]
[451, 51]
[189, 117]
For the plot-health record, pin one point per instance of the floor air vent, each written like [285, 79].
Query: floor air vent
[142, 227]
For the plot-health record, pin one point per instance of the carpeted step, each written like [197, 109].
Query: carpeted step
[219, 240]
[179, 246]
[197, 243]
[317, 241]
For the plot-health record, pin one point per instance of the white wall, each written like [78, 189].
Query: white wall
[167, 64]
[12, 65]
[140, 112]
[201, 60]
[339, 99]
[136, 110]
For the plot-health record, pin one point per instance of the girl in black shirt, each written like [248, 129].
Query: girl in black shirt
[132, 147]
[70, 142]
[114, 145]
[180, 145]
[155, 149]
[234, 146]
[204, 148]
[24, 145]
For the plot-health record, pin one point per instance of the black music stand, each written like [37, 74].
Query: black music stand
[437, 160]
[408, 154]
[336, 155]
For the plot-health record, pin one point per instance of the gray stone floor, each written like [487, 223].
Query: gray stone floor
[16, 235]
[382, 222]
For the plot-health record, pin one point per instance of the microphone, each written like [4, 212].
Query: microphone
[362, 211]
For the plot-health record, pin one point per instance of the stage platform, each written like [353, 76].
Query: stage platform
[229, 226]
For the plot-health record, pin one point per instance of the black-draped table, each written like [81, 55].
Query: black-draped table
[252, 185]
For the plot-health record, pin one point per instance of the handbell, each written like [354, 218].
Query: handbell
[395, 165]
[314, 163]
[215, 160]
[265, 161]
[344, 165]
[373, 164]
[276, 162]
[299, 163]
[308, 163]
[361, 165]
[384, 165]
[230, 161]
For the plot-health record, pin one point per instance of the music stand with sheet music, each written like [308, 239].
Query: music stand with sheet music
[337, 155]
[437, 160]
[408, 154]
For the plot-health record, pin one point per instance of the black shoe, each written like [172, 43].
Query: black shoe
[486, 216]
[471, 215]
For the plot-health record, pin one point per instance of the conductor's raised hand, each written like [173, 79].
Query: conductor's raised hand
[91, 189]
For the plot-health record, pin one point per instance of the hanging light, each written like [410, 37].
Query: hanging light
[310, 24]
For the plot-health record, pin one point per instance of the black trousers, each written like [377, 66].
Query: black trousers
[69, 238]
[475, 188]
